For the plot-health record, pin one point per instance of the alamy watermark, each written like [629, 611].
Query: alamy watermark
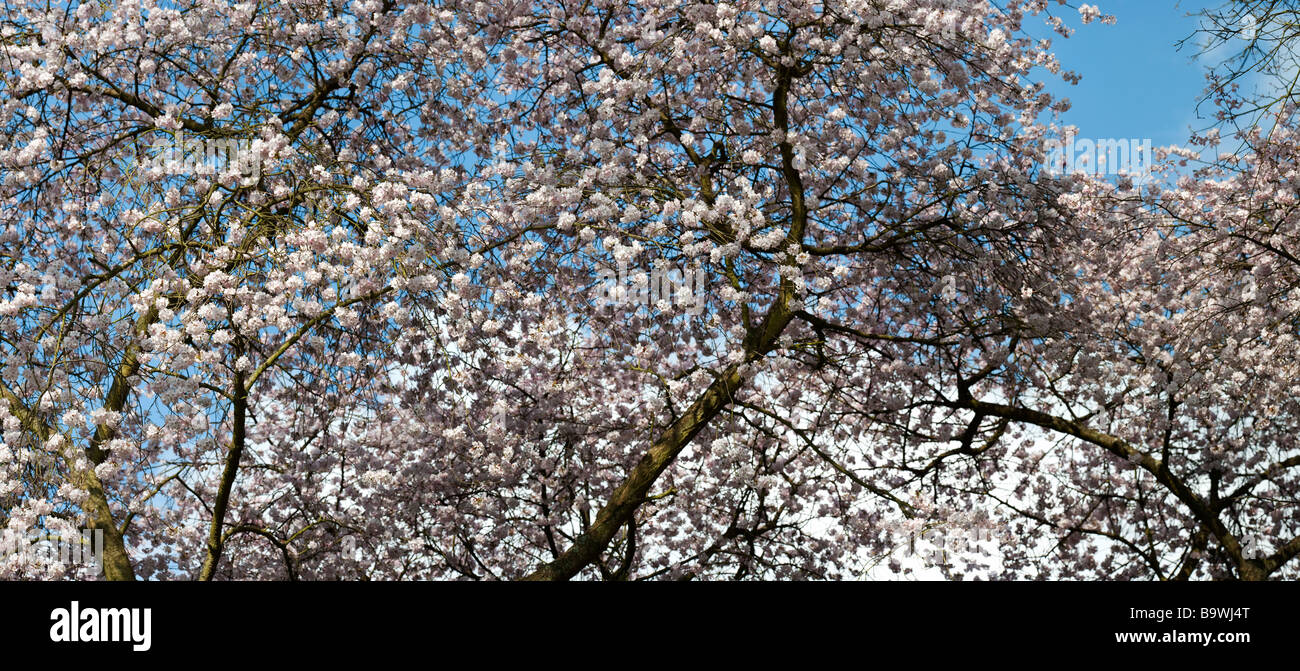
[78, 624]
[1099, 156]
[184, 154]
[952, 538]
[43, 548]
[663, 288]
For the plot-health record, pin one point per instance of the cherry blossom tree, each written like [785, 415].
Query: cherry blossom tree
[829, 166]
[1141, 425]
[362, 324]
[1252, 45]
[151, 294]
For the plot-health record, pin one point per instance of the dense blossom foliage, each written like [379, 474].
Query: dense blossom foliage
[363, 324]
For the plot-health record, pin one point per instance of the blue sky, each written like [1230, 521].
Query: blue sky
[1136, 82]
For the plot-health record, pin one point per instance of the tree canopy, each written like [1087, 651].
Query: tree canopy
[624, 290]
